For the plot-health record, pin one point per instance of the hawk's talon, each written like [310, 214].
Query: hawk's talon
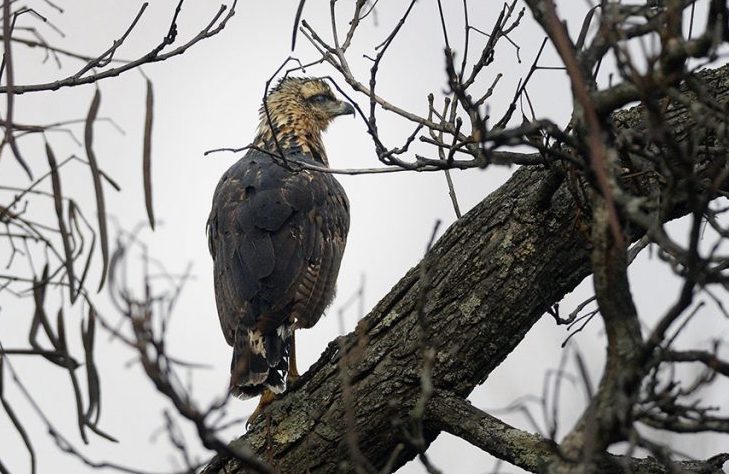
[267, 397]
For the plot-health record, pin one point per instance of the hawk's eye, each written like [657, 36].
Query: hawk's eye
[320, 98]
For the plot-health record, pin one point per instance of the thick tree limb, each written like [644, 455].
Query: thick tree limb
[492, 276]
[530, 451]
[458, 417]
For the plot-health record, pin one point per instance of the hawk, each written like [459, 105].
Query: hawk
[277, 237]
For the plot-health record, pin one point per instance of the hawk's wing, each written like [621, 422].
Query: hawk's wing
[277, 239]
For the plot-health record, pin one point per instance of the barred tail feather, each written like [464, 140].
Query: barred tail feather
[260, 361]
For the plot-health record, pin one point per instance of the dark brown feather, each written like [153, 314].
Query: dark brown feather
[277, 240]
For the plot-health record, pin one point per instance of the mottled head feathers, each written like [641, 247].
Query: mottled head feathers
[298, 110]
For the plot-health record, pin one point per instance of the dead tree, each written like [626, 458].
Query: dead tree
[489, 279]
[378, 396]
[585, 192]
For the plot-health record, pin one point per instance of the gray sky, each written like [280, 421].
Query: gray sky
[208, 98]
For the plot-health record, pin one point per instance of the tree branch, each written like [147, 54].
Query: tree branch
[531, 452]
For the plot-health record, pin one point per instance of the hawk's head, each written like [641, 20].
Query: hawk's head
[298, 110]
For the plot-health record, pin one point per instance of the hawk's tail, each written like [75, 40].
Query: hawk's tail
[260, 361]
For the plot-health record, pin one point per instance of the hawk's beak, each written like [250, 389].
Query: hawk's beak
[342, 108]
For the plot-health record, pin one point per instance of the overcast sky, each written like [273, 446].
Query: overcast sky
[208, 98]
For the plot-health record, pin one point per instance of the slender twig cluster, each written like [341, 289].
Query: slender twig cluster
[51, 257]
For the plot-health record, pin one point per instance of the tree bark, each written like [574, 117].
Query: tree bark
[478, 291]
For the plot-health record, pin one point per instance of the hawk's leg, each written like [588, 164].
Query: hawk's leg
[293, 371]
[267, 397]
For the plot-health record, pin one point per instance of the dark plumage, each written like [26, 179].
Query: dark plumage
[277, 236]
